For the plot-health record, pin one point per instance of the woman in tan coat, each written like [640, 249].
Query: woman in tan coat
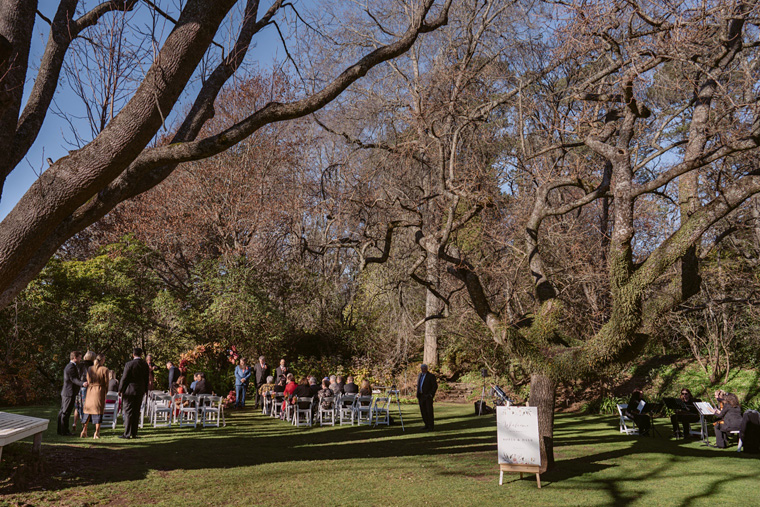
[95, 401]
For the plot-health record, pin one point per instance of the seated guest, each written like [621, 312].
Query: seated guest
[334, 385]
[179, 386]
[685, 417]
[326, 396]
[290, 388]
[642, 420]
[341, 384]
[279, 387]
[366, 389]
[313, 387]
[350, 387]
[203, 386]
[302, 390]
[113, 383]
[268, 387]
[730, 420]
[196, 378]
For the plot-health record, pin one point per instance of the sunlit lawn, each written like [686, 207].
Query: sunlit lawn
[256, 460]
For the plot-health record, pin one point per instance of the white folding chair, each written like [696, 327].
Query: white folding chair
[327, 415]
[163, 408]
[381, 410]
[302, 411]
[625, 421]
[363, 410]
[213, 413]
[188, 414]
[277, 401]
[346, 408]
[111, 409]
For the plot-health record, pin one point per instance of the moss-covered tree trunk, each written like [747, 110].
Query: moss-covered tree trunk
[542, 393]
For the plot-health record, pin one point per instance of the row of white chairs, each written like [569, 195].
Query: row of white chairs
[345, 409]
[183, 410]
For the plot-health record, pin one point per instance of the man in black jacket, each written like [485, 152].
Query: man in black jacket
[350, 387]
[280, 371]
[71, 385]
[427, 385]
[174, 374]
[133, 385]
[260, 372]
[203, 386]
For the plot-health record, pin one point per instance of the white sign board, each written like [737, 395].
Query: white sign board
[517, 435]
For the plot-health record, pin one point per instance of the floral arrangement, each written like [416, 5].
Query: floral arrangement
[232, 354]
[229, 400]
[192, 356]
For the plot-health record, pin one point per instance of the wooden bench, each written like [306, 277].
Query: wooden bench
[14, 427]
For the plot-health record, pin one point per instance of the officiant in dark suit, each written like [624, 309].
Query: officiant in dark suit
[427, 386]
[72, 382]
[133, 385]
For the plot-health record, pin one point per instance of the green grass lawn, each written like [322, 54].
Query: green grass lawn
[256, 460]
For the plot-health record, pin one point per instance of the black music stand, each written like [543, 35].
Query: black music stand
[652, 410]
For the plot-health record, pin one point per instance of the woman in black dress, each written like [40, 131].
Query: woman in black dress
[730, 418]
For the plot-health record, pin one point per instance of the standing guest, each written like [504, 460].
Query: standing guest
[71, 385]
[427, 386]
[350, 387]
[260, 374]
[83, 366]
[95, 402]
[133, 386]
[113, 383]
[242, 374]
[366, 388]
[151, 376]
[313, 387]
[203, 386]
[685, 417]
[174, 374]
[730, 420]
[280, 371]
[642, 420]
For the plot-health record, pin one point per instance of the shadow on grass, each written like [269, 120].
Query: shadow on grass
[589, 449]
[249, 439]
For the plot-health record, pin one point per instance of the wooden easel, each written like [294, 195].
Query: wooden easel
[531, 469]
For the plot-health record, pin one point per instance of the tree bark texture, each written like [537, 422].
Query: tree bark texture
[542, 393]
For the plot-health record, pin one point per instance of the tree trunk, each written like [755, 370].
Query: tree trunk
[432, 305]
[542, 394]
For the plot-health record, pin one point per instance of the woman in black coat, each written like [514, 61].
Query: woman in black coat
[641, 420]
[730, 418]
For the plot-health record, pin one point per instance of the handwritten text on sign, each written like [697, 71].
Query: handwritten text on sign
[517, 435]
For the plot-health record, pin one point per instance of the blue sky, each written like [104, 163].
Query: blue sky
[51, 142]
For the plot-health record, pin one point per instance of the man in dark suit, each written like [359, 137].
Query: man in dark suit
[133, 385]
[174, 374]
[260, 372]
[72, 382]
[350, 387]
[280, 371]
[203, 386]
[427, 385]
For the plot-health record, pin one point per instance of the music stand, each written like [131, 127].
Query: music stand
[651, 409]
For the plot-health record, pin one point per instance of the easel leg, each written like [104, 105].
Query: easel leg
[538, 480]
[501, 474]
[520, 475]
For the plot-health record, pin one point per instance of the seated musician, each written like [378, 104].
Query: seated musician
[641, 420]
[730, 419]
[685, 417]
